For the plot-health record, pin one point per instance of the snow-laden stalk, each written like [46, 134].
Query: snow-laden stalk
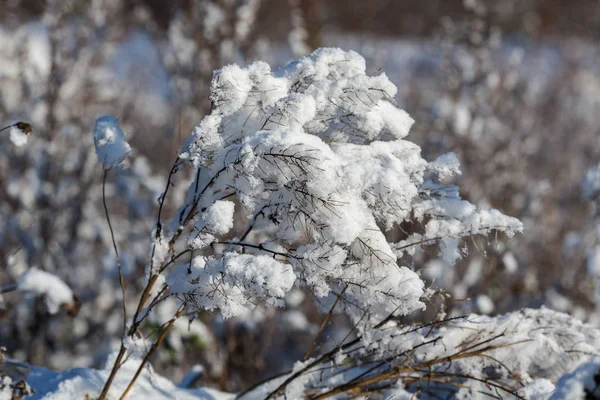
[316, 158]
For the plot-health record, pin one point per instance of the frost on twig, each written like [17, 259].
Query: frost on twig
[109, 140]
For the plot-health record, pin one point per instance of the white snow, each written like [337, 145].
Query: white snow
[315, 154]
[573, 386]
[233, 283]
[109, 139]
[41, 283]
[485, 304]
[81, 382]
[396, 120]
[219, 217]
[17, 136]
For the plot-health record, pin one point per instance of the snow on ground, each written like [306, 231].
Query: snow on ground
[579, 384]
[78, 382]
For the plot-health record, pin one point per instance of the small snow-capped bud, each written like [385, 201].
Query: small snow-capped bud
[109, 140]
[18, 133]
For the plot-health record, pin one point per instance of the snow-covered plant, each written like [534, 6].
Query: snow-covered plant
[509, 108]
[517, 355]
[315, 156]
[13, 390]
[300, 174]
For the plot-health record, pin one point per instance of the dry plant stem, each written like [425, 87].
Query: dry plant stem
[145, 294]
[308, 367]
[356, 384]
[353, 387]
[153, 276]
[114, 243]
[132, 329]
[113, 372]
[173, 170]
[330, 353]
[140, 306]
[117, 364]
[325, 320]
[155, 346]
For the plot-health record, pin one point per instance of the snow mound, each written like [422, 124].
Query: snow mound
[78, 383]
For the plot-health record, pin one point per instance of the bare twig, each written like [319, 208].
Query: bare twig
[325, 320]
[114, 243]
[122, 284]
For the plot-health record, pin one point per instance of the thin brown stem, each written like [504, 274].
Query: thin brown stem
[325, 320]
[161, 202]
[113, 372]
[122, 284]
[294, 375]
[145, 295]
[155, 346]
[114, 243]
[395, 373]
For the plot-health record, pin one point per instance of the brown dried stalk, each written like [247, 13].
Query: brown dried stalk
[325, 320]
[395, 373]
[155, 346]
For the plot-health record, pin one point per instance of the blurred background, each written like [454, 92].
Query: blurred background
[512, 87]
